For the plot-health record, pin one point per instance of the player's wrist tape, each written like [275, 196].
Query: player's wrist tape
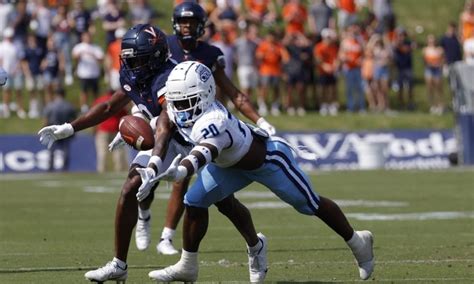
[193, 160]
[156, 160]
[261, 121]
[205, 152]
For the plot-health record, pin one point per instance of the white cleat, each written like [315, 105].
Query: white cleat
[143, 234]
[110, 272]
[165, 246]
[258, 262]
[365, 255]
[174, 273]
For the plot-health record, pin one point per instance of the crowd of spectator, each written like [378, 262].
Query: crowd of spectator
[288, 55]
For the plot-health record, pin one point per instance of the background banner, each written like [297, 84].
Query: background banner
[413, 149]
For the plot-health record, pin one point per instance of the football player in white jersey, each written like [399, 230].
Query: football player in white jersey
[227, 156]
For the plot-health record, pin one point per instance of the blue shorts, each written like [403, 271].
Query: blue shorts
[433, 72]
[280, 173]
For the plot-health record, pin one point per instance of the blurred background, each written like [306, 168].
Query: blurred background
[361, 83]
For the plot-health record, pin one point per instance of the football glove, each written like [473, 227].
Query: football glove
[117, 142]
[175, 172]
[265, 125]
[148, 176]
[49, 134]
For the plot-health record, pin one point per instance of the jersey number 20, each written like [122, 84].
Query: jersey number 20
[211, 129]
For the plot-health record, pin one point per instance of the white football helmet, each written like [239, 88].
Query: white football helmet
[190, 90]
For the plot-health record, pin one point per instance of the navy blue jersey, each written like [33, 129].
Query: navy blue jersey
[148, 98]
[207, 54]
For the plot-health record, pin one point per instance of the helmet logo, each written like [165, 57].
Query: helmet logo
[204, 73]
[154, 38]
[151, 31]
[187, 14]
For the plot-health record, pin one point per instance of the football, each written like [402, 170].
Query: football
[136, 132]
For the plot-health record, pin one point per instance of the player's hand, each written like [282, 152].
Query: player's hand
[117, 142]
[265, 125]
[49, 134]
[149, 180]
[174, 172]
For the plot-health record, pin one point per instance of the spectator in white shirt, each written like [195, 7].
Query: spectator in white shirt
[89, 58]
[10, 61]
[468, 48]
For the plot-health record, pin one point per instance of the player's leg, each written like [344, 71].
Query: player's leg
[126, 214]
[240, 216]
[174, 212]
[199, 197]
[283, 176]
[175, 206]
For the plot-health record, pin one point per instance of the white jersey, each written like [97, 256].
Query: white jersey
[218, 127]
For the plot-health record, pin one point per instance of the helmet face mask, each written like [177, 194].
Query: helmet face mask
[190, 91]
[144, 50]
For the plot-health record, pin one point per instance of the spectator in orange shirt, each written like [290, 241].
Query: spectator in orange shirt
[261, 11]
[112, 60]
[270, 56]
[433, 56]
[346, 15]
[325, 53]
[467, 21]
[350, 55]
[295, 16]
[104, 134]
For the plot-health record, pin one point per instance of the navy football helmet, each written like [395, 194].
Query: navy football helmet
[189, 9]
[144, 50]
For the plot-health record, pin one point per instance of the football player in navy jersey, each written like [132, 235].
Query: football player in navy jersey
[189, 20]
[144, 71]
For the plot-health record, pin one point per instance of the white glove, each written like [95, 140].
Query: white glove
[174, 172]
[149, 179]
[117, 142]
[49, 134]
[263, 124]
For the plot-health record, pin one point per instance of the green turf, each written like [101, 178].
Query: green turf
[55, 227]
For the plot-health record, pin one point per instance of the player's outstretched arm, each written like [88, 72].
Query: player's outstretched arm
[241, 101]
[97, 114]
[101, 112]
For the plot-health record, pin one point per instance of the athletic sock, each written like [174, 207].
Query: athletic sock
[120, 263]
[189, 260]
[355, 242]
[254, 250]
[167, 233]
[143, 214]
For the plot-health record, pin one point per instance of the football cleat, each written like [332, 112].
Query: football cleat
[365, 254]
[142, 233]
[165, 246]
[258, 262]
[175, 273]
[111, 271]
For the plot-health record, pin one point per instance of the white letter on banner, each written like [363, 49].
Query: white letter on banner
[20, 161]
[348, 145]
[311, 142]
[402, 148]
[433, 145]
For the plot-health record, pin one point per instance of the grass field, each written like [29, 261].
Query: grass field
[54, 227]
